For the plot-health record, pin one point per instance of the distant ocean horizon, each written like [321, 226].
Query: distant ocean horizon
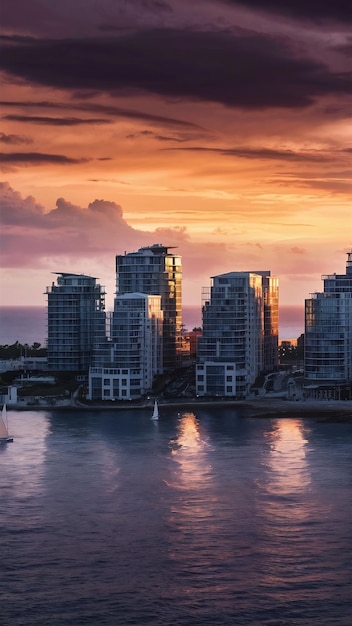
[28, 324]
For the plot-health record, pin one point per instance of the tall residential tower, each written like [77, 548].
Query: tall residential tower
[154, 270]
[239, 333]
[270, 288]
[125, 366]
[76, 321]
[328, 330]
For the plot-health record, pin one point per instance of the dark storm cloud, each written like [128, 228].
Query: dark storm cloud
[241, 70]
[262, 153]
[94, 107]
[14, 140]
[316, 10]
[55, 121]
[33, 158]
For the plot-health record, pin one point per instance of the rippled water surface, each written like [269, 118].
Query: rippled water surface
[205, 518]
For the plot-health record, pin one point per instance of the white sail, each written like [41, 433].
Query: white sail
[3, 423]
[155, 415]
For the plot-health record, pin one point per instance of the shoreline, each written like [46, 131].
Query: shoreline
[270, 407]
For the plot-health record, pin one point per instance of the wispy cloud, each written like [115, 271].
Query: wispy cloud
[37, 158]
[263, 153]
[55, 121]
[14, 140]
[96, 107]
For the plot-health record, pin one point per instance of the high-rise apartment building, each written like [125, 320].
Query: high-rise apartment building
[239, 324]
[125, 366]
[328, 330]
[270, 287]
[76, 321]
[154, 270]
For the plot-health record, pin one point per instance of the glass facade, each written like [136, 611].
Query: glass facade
[271, 322]
[125, 366]
[156, 271]
[76, 321]
[328, 330]
[240, 332]
[136, 335]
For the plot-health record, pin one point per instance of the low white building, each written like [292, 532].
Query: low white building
[11, 365]
[8, 395]
[24, 363]
[216, 378]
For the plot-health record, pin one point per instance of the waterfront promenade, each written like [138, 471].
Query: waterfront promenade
[261, 407]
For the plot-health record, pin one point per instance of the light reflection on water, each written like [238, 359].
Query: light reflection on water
[291, 512]
[286, 472]
[193, 500]
[189, 450]
[26, 468]
[205, 518]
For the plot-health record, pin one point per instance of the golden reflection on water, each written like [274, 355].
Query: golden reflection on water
[287, 458]
[194, 511]
[193, 473]
[189, 451]
[285, 509]
[286, 478]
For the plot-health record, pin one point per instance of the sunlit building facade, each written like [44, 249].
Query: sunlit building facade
[125, 366]
[76, 321]
[270, 287]
[328, 330]
[154, 270]
[240, 332]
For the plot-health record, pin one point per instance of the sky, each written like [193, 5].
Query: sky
[221, 128]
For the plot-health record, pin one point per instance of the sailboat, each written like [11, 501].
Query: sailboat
[4, 433]
[155, 415]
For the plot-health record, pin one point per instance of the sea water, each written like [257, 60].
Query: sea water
[26, 324]
[203, 518]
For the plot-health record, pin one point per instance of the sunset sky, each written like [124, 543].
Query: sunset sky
[220, 127]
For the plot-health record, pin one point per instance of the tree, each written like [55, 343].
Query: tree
[17, 349]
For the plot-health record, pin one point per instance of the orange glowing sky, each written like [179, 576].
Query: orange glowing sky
[218, 127]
